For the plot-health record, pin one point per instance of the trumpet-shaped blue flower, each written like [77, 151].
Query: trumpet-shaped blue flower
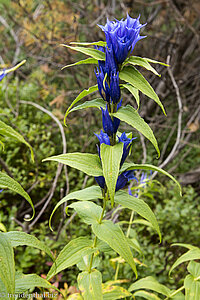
[103, 87]
[110, 63]
[110, 126]
[2, 74]
[126, 147]
[115, 92]
[122, 36]
[124, 178]
[103, 138]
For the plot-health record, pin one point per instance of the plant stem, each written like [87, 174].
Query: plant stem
[105, 198]
[175, 292]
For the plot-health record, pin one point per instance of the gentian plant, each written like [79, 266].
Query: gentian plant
[115, 71]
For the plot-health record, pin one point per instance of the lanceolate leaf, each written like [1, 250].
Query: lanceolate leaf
[7, 182]
[139, 206]
[82, 62]
[19, 238]
[85, 162]
[88, 51]
[90, 193]
[115, 238]
[190, 255]
[79, 97]
[99, 43]
[132, 166]
[10, 132]
[71, 254]
[99, 102]
[150, 283]
[114, 292]
[111, 158]
[142, 62]
[90, 285]
[133, 91]
[134, 77]
[89, 212]
[7, 264]
[156, 62]
[129, 115]
[146, 295]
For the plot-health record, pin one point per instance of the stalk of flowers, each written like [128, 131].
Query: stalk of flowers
[121, 37]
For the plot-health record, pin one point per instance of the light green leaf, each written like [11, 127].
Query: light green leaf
[129, 115]
[30, 281]
[194, 268]
[82, 62]
[92, 103]
[114, 292]
[190, 255]
[188, 246]
[75, 296]
[192, 288]
[7, 264]
[132, 166]
[111, 158]
[99, 43]
[146, 295]
[88, 51]
[19, 238]
[79, 97]
[115, 238]
[71, 254]
[90, 285]
[10, 132]
[134, 77]
[88, 211]
[85, 162]
[8, 182]
[133, 91]
[150, 283]
[139, 206]
[142, 62]
[156, 62]
[90, 193]
[133, 243]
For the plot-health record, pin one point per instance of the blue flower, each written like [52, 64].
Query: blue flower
[103, 87]
[2, 74]
[110, 126]
[1, 190]
[124, 178]
[122, 36]
[101, 181]
[110, 63]
[103, 138]
[142, 183]
[101, 63]
[126, 147]
[115, 92]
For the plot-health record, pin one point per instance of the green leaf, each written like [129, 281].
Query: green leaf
[79, 97]
[82, 62]
[7, 264]
[19, 238]
[133, 91]
[192, 288]
[99, 102]
[139, 206]
[156, 62]
[30, 281]
[99, 43]
[132, 166]
[90, 193]
[115, 238]
[88, 51]
[90, 285]
[7, 182]
[71, 254]
[194, 268]
[188, 246]
[10, 132]
[129, 115]
[142, 62]
[190, 255]
[85, 162]
[88, 211]
[134, 77]
[150, 283]
[146, 295]
[111, 158]
[114, 292]
[133, 243]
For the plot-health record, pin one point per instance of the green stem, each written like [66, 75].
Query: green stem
[130, 223]
[105, 198]
[175, 292]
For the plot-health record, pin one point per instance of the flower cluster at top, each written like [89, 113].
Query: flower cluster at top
[121, 37]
